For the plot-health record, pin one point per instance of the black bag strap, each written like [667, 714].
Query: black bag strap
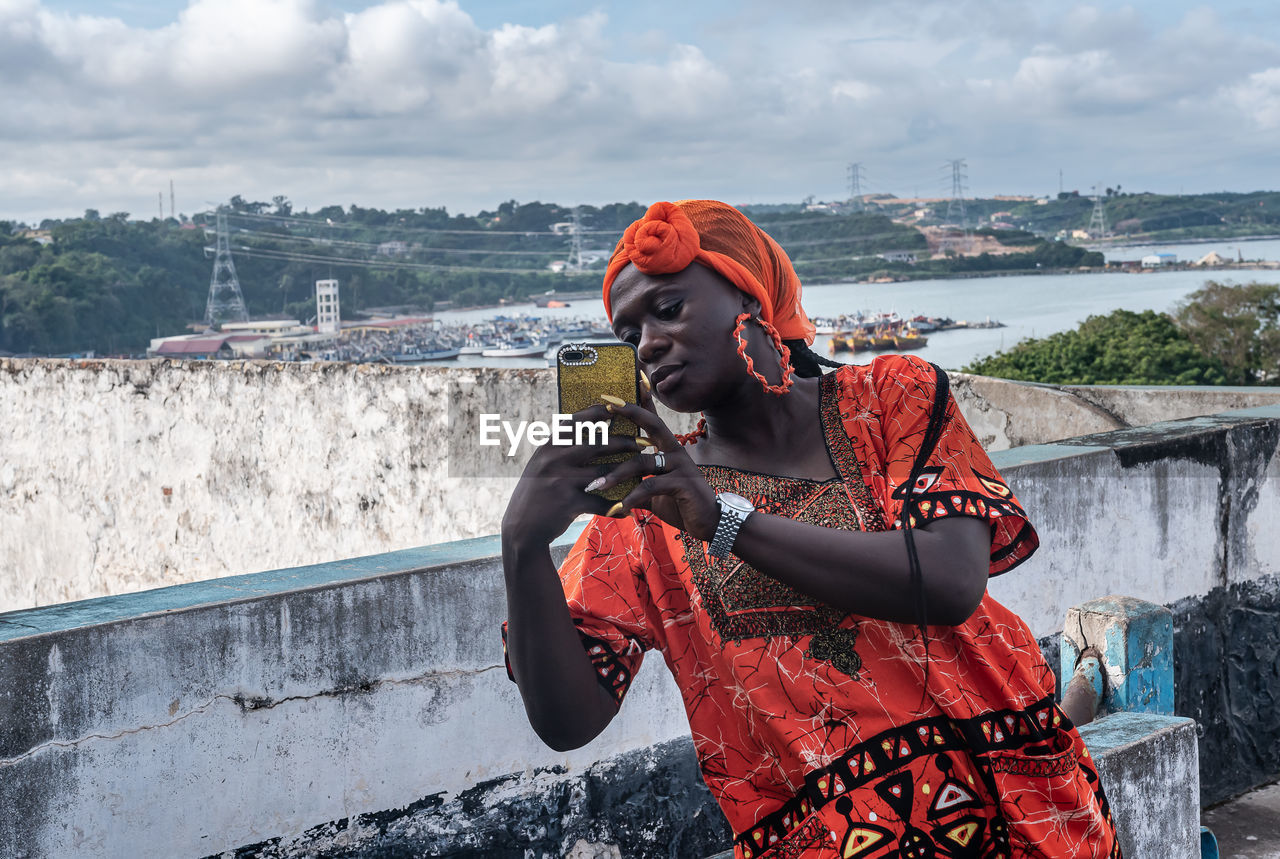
[933, 432]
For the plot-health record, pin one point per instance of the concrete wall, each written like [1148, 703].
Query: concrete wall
[1149, 765]
[117, 476]
[362, 704]
[1007, 414]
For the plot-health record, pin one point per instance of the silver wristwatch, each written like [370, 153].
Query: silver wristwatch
[734, 510]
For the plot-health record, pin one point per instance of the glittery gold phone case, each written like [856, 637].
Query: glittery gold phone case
[587, 370]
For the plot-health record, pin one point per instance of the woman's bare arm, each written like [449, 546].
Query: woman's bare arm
[566, 705]
[868, 573]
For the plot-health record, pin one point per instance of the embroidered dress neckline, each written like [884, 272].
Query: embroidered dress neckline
[827, 394]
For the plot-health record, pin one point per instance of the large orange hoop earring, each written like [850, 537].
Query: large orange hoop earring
[700, 431]
[783, 351]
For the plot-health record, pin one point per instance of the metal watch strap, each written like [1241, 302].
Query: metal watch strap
[726, 530]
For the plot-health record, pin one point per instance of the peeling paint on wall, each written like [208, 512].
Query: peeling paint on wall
[646, 804]
[1227, 678]
[116, 476]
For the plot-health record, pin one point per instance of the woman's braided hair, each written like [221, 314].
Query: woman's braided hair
[807, 363]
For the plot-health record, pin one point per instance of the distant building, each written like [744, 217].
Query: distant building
[909, 257]
[215, 346]
[393, 249]
[1158, 260]
[266, 327]
[328, 316]
[43, 237]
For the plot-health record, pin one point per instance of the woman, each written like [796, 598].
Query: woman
[765, 556]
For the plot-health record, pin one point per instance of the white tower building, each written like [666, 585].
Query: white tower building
[328, 319]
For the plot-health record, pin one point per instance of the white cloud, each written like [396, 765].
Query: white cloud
[1259, 98]
[410, 102]
[855, 90]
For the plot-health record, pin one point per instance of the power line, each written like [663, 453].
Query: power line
[345, 225]
[290, 256]
[373, 246]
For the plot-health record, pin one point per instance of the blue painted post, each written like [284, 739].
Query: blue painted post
[1208, 844]
[1135, 640]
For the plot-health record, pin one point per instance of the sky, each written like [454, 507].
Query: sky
[427, 103]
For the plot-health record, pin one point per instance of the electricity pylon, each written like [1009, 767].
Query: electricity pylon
[575, 240]
[1098, 220]
[226, 303]
[855, 185]
[956, 203]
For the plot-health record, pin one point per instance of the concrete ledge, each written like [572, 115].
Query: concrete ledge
[161, 722]
[1149, 766]
[135, 493]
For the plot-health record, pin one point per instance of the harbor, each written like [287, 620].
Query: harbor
[1026, 306]
[533, 337]
[948, 322]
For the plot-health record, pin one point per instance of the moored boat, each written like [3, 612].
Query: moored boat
[514, 349]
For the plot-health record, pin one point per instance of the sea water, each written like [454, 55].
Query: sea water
[1028, 305]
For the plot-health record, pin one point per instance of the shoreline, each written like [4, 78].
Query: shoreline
[1129, 242]
[969, 275]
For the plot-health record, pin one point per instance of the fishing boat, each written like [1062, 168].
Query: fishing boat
[551, 298]
[901, 338]
[514, 349]
[414, 354]
[907, 340]
[440, 353]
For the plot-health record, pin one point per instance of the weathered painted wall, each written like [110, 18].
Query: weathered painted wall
[356, 704]
[1148, 765]
[1008, 414]
[198, 719]
[117, 476]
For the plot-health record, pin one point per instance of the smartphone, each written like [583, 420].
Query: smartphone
[584, 371]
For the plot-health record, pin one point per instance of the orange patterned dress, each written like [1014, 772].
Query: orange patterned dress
[822, 734]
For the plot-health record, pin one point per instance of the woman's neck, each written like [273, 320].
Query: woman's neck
[766, 432]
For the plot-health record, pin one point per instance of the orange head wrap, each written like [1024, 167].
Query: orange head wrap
[670, 236]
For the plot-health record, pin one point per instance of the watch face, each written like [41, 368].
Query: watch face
[737, 502]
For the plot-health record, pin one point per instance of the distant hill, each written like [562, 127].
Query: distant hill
[109, 284]
[1133, 215]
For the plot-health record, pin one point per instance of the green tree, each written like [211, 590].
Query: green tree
[1239, 324]
[1121, 348]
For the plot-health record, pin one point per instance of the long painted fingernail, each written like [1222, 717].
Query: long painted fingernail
[594, 485]
[612, 400]
[644, 382]
[615, 511]
[644, 442]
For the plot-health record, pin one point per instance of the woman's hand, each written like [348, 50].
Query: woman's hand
[552, 490]
[673, 487]
[566, 705]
